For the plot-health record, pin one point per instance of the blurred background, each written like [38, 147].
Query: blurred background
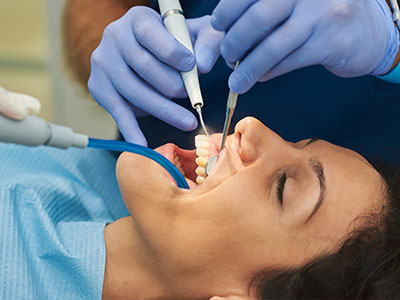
[31, 62]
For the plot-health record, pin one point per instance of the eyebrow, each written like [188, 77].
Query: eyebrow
[318, 169]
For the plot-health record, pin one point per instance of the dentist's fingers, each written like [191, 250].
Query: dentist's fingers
[228, 12]
[160, 42]
[207, 45]
[136, 68]
[164, 78]
[118, 108]
[253, 26]
[267, 54]
[143, 96]
[126, 121]
[303, 57]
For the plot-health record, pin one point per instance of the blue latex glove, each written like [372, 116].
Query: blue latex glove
[136, 69]
[348, 37]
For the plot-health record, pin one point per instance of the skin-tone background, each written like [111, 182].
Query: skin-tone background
[212, 240]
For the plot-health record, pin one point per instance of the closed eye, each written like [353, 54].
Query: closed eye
[281, 187]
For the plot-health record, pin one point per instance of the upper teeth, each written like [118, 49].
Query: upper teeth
[202, 152]
[178, 165]
[202, 143]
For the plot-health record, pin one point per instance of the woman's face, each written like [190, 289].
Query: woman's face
[267, 203]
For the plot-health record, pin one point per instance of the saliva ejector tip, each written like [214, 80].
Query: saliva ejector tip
[198, 108]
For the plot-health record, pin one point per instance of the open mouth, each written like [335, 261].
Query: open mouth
[192, 163]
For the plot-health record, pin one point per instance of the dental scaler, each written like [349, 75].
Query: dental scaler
[175, 23]
[34, 131]
[230, 109]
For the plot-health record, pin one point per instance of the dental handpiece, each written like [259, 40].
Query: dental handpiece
[175, 23]
[34, 131]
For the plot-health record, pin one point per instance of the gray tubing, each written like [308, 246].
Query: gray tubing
[63, 137]
[34, 131]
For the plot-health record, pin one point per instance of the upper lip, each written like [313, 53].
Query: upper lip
[228, 162]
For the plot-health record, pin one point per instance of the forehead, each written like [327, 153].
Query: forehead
[354, 188]
[345, 164]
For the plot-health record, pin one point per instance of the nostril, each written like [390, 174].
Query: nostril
[239, 139]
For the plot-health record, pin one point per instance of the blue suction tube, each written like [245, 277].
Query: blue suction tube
[144, 151]
[34, 131]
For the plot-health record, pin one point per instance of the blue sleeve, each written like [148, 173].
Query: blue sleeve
[393, 76]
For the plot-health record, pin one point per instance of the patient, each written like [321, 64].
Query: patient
[273, 220]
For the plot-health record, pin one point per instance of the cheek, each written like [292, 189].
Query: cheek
[242, 214]
[229, 232]
[250, 222]
[145, 186]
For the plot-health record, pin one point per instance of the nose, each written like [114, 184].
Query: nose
[257, 140]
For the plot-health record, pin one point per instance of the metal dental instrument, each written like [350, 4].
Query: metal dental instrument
[175, 23]
[198, 108]
[230, 109]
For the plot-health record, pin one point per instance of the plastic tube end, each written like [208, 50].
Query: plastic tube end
[80, 140]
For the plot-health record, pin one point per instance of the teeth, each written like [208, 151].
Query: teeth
[202, 152]
[200, 179]
[201, 161]
[202, 143]
[201, 137]
[178, 165]
[201, 171]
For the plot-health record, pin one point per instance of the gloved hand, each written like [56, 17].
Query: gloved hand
[17, 106]
[136, 69]
[273, 37]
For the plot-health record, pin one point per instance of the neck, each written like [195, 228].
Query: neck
[126, 274]
[131, 274]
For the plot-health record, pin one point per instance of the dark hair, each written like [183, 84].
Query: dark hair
[367, 265]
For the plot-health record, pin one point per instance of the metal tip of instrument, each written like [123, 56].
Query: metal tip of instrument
[230, 109]
[213, 159]
[198, 108]
[211, 163]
